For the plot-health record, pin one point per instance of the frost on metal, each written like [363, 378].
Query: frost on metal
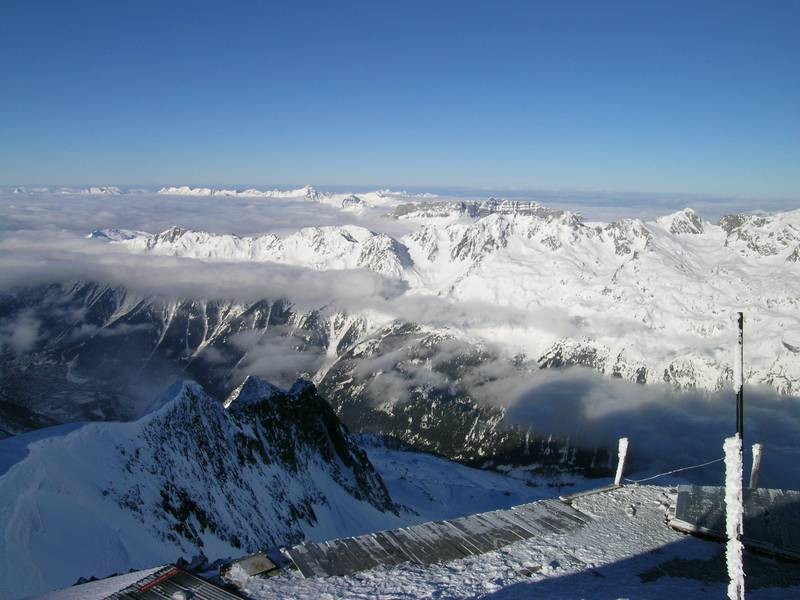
[738, 363]
[622, 453]
[734, 516]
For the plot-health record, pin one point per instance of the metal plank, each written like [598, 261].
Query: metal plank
[408, 545]
[479, 540]
[568, 512]
[540, 516]
[443, 539]
[437, 541]
[426, 549]
[342, 560]
[461, 539]
[363, 559]
[531, 527]
[378, 552]
[316, 553]
[396, 552]
[301, 559]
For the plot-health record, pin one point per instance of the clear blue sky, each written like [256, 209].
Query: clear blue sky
[699, 97]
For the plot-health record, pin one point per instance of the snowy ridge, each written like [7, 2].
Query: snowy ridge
[679, 277]
[319, 248]
[188, 478]
[102, 190]
[303, 192]
[343, 201]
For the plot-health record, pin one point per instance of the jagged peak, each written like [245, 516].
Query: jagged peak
[183, 391]
[302, 386]
[114, 235]
[169, 235]
[685, 221]
[251, 391]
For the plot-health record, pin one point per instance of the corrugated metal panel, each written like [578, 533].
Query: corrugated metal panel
[163, 584]
[437, 541]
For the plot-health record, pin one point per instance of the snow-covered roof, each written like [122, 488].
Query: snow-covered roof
[627, 550]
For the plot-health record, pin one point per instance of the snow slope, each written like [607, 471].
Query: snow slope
[436, 488]
[346, 201]
[191, 477]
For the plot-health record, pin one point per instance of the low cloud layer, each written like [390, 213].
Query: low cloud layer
[41, 242]
[27, 259]
[20, 333]
[668, 429]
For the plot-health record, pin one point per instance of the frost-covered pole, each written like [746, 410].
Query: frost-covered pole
[756, 466]
[621, 454]
[738, 375]
[734, 516]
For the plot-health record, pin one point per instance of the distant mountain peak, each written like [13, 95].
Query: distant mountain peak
[252, 390]
[682, 222]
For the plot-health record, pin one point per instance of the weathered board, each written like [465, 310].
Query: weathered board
[771, 517]
[437, 541]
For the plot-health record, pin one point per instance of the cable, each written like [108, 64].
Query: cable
[711, 462]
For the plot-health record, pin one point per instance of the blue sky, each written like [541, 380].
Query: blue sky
[697, 97]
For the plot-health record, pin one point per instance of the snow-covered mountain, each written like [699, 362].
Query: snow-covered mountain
[413, 383]
[344, 201]
[319, 248]
[486, 295]
[193, 476]
[648, 302]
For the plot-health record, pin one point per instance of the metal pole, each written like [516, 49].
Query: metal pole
[738, 376]
[622, 453]
[734, 517]
[756, 466]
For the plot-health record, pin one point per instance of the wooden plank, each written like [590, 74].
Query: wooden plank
[513, 524]
[530, 520]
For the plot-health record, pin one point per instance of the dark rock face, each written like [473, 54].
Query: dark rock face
[103, 353]
[259, 455]
[761, 235]
[16, 419]
[189, 479]
[432, 408]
